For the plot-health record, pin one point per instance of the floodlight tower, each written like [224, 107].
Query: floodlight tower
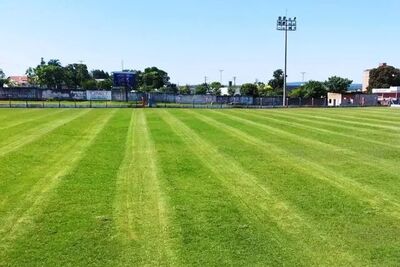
[303, 74]
[286, 24]
[220, 75]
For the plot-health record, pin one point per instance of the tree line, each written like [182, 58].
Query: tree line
[309, 89]
[52, 74]
[384, 76]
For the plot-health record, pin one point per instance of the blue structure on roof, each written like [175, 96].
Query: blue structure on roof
[294, 85]
[355, 87]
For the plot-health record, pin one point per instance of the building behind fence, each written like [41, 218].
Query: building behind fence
[163, 99]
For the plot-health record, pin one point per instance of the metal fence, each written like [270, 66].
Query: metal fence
[46, 98]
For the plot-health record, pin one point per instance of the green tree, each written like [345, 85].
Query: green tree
[202, 89]
[152, 79]
[184, 90]
[277, 81]
[90, 85]
[384, 77]
[170, 89]
[50, 75]
[265, 90]
[99, 74]
[75, 75]
[32, 77]
[216, 88]
[232, 90]
[3, 79]
[249, 89]
[298, 92]
[310, 89]
[337, 84]
[105, 84]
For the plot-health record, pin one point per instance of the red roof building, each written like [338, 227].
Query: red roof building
[19, 80]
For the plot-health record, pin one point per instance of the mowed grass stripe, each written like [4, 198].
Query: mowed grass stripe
[349, 123]
[350, 126]
[315, 130]
[26, 118]
[141, 207]
[19, 220]
[76, 228]
[212, 225]
[353, 156]
[20, 170]
[8, 115]
[24, 123]
[339, 216]
[258, 198]
[338, 129]
[371, 195]
[21, 139]
[385, 113]
[311, 143]
[359, 116]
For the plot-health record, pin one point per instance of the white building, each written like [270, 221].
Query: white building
[366, 77]
[334, 99]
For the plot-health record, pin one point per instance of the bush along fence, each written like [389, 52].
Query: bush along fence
[42, 98]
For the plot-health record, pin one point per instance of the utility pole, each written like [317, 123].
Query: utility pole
[286, 24]
[205, 79]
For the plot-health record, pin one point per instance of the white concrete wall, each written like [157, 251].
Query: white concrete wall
[98, 95]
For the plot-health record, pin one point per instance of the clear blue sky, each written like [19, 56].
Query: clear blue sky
[191, 39]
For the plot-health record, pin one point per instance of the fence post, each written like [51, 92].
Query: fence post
[312, 101]
[59, 103]
[75, 103]
[26, 103]
[42, 103]
[90, 103]
[300, 101]
[9, 101]
[106, 104]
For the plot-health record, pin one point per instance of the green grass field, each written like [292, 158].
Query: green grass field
[168, 187]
